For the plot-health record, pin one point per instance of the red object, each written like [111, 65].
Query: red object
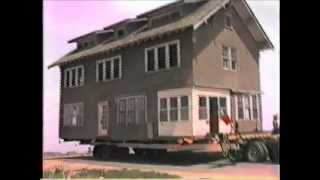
[226, 119]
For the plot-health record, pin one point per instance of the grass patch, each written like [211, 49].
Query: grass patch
[97, 173]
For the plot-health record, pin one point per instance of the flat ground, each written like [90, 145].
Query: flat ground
[186, 165]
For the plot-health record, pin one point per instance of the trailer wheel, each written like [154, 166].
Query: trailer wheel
[255, 152]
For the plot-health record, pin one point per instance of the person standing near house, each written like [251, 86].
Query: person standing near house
[275, 124]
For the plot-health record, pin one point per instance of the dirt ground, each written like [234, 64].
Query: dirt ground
[188, 168]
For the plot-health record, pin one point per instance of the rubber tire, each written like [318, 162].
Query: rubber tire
[259, 152]
[265, 149]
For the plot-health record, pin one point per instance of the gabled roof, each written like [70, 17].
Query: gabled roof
[194, 19]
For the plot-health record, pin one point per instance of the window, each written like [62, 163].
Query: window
[74, 77]
[203, 108]
[132, 110]
[222, 106]
[240, 107]
[255, 107]
[73, 115]
[122, 111]
[109, 69]
[174, 109]
[161, 57]
[163, 109]
[229, 58]
[151, 60]
[228, 23]
[184, 108]
[247, 107]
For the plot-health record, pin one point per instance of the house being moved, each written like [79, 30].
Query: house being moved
[168, 73]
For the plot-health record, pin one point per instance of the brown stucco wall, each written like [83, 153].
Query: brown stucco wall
[134, 81]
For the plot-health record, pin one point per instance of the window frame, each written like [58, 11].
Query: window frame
[126, 120]
[103, 62]
[167, 56]
[67, 83]
[207, 107]
[251, 117]
[178, 108]
[230, 58]
[81, 113]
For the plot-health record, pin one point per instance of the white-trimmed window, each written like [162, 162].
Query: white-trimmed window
[222, 106]
[203, 108]
[73, 115]
[248, 107]
[229, 58]
[131, 110]
[163, 56]
[174, 109]
[108, 69]
[74, 77]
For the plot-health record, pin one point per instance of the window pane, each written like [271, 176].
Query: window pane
[122, 110]
[173, 54]
[80, 76]
[163, 103]
[163, 115]
[184, 113]
[203, 101]
[108, 70]
[116, 68]
[73, 76]
[162, 57]
[233, 65]
[223, 106]
[247, 112]
[173, 114]
[240, 107]
[150, 60]
[100, 71]
[67, 76]
[225, 51]
[141, 109]
[225, 63]
[255, 107]
[184, 101]
[173, 102]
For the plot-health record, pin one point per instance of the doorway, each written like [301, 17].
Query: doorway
[214, 116]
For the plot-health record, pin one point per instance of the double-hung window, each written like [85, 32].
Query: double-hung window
[162, 57]
[108, 69]
[74, 77]
[174, 109]
[229, 58]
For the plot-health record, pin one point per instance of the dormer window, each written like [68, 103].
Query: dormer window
[227, 22]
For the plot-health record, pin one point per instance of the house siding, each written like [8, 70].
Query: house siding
[208, 68]
[134, 81]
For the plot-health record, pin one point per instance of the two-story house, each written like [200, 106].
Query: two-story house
[168, 73]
